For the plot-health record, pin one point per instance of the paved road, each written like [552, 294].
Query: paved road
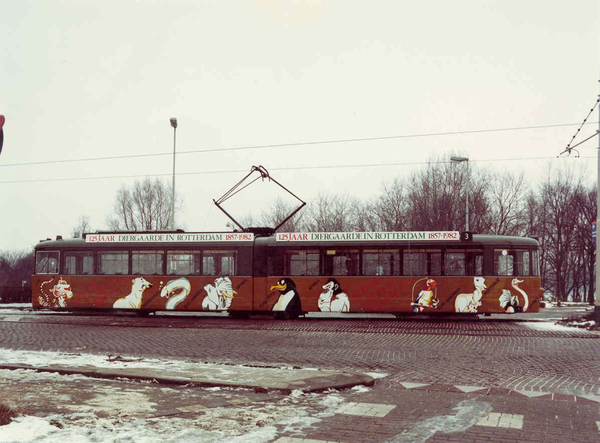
[447, 380]
[506, 354]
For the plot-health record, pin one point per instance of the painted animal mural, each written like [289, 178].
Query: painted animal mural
[218, 295]
[176, 291]
[333, 299]
[426, 298]
[58, 296]
[471, 301]
[133, 300]
[288, 302]
[509, 302]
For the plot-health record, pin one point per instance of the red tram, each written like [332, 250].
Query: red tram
[289, 274]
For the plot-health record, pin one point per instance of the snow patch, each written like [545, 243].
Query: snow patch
[332, 401]
[547, 326]
[377, 375]
[360, 389]
[25, 429]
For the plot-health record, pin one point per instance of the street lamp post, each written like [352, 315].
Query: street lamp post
[466, 160]
[174, 125]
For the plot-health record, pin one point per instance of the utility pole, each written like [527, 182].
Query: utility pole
[597, 295]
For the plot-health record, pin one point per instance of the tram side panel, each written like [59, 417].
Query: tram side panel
[260, 279]
[401, 294]
[281, 293]
[187, 293]
[227, 287]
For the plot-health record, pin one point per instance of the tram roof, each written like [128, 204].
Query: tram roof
[128, 240]
[222, 239]
[478, 239]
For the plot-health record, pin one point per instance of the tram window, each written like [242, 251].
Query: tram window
[535, 263]
[463, 262]
[512, 262]
[113, 262]
[526, 269]
[147, 262]
[341, 262]
[183, 262]
[46, 262]
[422, 262]
[302, 262]
[276, 261]
[79, 263]
[218, 262]
[380, 262]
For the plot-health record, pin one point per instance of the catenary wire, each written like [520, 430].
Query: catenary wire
[296, 168]
[288, 145]
[569, 148]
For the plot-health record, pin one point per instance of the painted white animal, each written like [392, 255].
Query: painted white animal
[471, 301]
[218, 296]
[58, 295]
[509, 302]
[332, 299]
[176, 291]
[134, 299]
[515, 284]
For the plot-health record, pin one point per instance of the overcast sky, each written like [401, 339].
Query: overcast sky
[89, 79]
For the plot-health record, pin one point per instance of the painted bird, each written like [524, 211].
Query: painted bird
[289, 299]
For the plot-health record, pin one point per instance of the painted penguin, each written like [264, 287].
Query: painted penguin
[289, 299]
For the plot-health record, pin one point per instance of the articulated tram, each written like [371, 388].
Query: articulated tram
[289, 274]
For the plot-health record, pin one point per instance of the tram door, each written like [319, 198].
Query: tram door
[261, 290]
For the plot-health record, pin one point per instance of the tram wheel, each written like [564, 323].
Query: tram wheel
[143, 313]
[240, 315]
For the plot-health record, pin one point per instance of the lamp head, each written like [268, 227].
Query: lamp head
[174, 122]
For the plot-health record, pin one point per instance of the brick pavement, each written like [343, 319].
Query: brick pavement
[406, 412]
[467, 381]
[508, 355]
[435, 416]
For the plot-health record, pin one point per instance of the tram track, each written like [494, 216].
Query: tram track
[381, 326]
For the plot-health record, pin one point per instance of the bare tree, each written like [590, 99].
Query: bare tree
[361, 216]
[586, 204]
[16, 268]
[246, 221]
[437, 197]
[278, 212]
[479, 205]
[330, 213]
[557, 196]
[507, 197]
[390, 210]
[144, 207]
[82, 226]
[535, 226]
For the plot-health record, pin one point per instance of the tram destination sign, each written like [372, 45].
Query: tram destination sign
[369, 236]
[176, 237]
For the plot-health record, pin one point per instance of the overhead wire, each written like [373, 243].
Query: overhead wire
[569, 148]
[287, 145]
[295, 168]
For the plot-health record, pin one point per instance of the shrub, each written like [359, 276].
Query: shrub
[6, 414]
